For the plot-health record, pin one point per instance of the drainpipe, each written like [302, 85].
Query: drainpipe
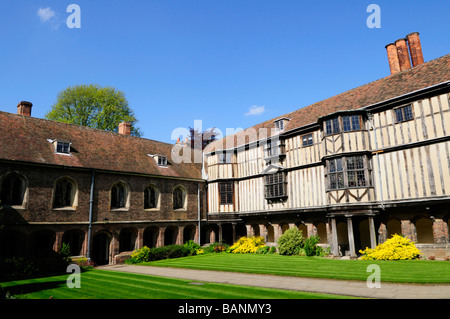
[91, 204]
[370, 116]
[199, 213]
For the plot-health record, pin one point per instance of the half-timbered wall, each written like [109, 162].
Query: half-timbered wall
[403, 161]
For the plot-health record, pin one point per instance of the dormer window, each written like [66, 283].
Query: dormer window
[280, 124]
[162, 160]
[62, 147]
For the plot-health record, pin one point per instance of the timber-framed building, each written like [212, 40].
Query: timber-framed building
[353, 169]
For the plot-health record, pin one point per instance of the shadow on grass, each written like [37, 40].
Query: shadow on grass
[33, 287]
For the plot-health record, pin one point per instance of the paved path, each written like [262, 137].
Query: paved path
[338, 287]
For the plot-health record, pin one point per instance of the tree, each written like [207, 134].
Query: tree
[93, 106]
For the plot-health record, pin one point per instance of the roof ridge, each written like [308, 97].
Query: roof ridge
[81, 127]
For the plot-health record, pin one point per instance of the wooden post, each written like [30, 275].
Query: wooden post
[351, 238]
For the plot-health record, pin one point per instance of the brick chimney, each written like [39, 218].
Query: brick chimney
[125, 128]
[403, 54]
[24, 108]
[394, 63]
[415, 48]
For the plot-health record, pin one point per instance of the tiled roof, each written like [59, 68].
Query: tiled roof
[420, 77]
[25, 139]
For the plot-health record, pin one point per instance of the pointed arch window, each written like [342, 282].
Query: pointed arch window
[12, 190]
[65, 193]
[151, 197]
[119, 196]
[179, 198]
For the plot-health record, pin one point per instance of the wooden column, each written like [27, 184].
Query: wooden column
[351, 237]
[334, 238]
[373, 237]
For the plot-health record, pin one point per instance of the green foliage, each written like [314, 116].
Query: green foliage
[93, 106]
[310, 246]
[193, 246]
[247, 245]
[291, 242]
[216, 248]
[158, 253]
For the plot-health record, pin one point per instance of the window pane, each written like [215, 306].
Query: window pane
[355, 123]
[350, 163]
[407, 111]
[340, 180]
[339, 164]
[336, 125]
[346, 123]
[361, 178]
[359, 162]
[333, 182]
[332, 164]
[351, 179]
[328, 127]
[399, 115]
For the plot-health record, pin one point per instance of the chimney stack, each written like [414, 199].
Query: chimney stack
[125, 128]
[24, 108]
[394, 63]
[403, 54]
[415, 48]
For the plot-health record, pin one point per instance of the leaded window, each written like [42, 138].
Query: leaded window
[275, 185]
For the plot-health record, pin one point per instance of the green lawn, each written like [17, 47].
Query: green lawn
[102, 284]
[405, 271]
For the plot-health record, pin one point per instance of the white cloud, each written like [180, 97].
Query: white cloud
[45, 14]
[255, 110]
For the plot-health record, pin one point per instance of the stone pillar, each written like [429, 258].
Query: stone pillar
[440, 231]
[250, 232]
[180, 235]
[409, 230]
[233, 227]
[160, 239]
[140, 238]
[212, 235]
[58, 241]
[351, 238]
[334, 238]
[373, 237]
[220, 232]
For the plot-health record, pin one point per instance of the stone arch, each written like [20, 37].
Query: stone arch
[424, 230]
[127, 239]
[393, 226]
[321, 229]
[189, 233]
[151, 236]
[284, 227]
[101, 247]
[304, 229]
[270, 233]
[13, 189]
[170, 235]
[75, 239]
[255, 229]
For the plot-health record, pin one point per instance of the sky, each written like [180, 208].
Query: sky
[229, 64]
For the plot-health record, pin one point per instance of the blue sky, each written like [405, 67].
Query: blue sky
[231, 64]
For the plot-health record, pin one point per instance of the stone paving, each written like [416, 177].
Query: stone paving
[328, 286]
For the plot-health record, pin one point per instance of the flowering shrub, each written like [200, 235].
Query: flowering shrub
[291, 242]
[139, 255]
[247, 245]
[395, 248]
